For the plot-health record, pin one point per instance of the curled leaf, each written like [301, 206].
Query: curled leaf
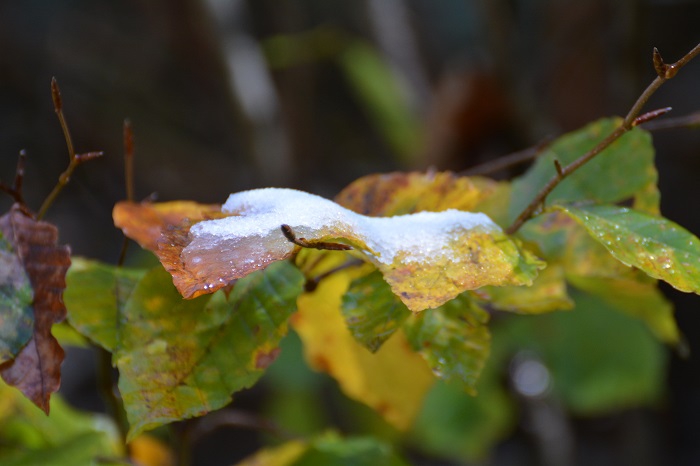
[428, 258]
[36, 369]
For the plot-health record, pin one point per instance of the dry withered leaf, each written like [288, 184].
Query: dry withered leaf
[36, 370]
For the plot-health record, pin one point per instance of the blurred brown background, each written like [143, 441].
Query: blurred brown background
[226, 95]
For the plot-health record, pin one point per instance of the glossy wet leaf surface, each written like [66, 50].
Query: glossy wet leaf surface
[454, 339]
[372, 312]
[655, 245]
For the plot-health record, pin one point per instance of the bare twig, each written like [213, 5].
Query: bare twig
[665, 72]
[510, 160]
[129, 160]
[686, 121]
[15, 191]
[128, 179]
[74, 159]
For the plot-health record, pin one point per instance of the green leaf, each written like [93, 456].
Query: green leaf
[182, 358]
[599, 359]
[331, 450]
[66, 437]
[547, 294]
[655, 245]
[327, 450]
[372, 311]
[95, 297]
[16, 295]
[456, 425]
[640, 299]
[454, 339]
[623, 171]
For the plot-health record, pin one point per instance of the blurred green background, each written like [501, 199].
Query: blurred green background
[226, 95]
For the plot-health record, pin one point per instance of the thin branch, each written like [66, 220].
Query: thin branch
[128, 179]
[665, 72]
[687, 121]
[74, 159]
[304, 243]
[510, 160]
[238, 419]
[312, 283]
[15, 191]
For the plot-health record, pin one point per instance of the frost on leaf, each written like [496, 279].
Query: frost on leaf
[428, 258]
[36, 369]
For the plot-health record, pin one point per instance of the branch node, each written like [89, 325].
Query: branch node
[648, 116]
[659, 65]
[557, 166]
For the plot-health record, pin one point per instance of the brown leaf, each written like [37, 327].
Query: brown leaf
[145, 223]
[163, 229]
[36, 370]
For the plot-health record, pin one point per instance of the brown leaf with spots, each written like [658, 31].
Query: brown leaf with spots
[399, 193]
[36, 370]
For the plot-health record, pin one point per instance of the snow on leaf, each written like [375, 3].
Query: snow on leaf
[428, 258]
[36, 369]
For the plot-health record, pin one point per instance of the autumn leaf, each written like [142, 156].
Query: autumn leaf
[182, 358]
[393, 381]
[428, 258]
[36, 369]
[548, 293]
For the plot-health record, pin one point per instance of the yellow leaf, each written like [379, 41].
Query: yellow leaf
[392, 381]
[282, 455]
[147, 450]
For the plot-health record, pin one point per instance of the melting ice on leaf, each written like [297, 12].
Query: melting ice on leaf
[427, 258]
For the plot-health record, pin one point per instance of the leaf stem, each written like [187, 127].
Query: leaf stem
[632, 119]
